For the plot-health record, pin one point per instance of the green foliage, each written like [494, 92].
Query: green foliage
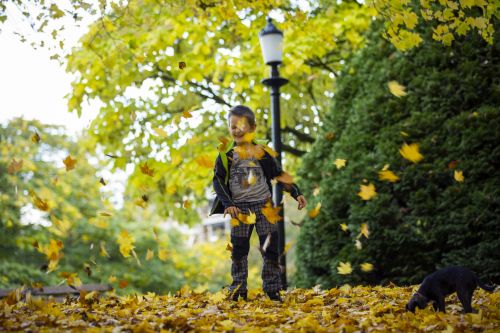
[426, 220]
[131, 64]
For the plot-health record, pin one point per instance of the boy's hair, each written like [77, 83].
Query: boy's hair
[242, 111]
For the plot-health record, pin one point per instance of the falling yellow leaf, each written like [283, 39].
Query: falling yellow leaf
[366, 267]
[69, 163]
[358, 244]
[150, 255]
[403, 133]
[204, 161]
[288, 246]
[411, 152]
[386, 167]
[459, 176]
[186, 204]
[161, 132]
[162, 254]
[14, 166]
[38, 202]
[251, 178]
[112, 279]
[367, 192]
[187, 114]
[388, 175]
[271, 213]
[146, 170]
[270, 151]
[396, 89]
[103, 252]
[229, 247]
[344, 227]
[235, 222]
[316, 191]
[315, 211]
[126, 242]
[339, 163]
[344, 268]
[35, 138]
[141, 202]
[364, 230]
[247, 219]
[248, 137]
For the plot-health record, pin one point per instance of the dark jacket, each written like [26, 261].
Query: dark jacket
[271, 169]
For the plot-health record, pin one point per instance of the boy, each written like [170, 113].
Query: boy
[242, 182]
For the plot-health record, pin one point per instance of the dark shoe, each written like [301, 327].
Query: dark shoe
[274, 296]
[237, 295]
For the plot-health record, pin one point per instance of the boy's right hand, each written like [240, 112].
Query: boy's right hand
[233, 211]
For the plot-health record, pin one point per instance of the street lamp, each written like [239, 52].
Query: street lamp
[271, 41]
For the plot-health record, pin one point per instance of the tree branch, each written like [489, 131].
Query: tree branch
[301, 136]
[292, 150]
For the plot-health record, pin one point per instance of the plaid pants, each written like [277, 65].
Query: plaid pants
[240, 238]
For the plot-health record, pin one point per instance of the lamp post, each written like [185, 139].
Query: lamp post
[271, 41]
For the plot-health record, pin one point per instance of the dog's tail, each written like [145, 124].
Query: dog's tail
[485, 286]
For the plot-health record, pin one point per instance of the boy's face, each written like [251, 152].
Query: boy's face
[240, 129]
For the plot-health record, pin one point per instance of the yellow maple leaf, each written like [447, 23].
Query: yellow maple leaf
[366, 267]
[271, 213]
[14, 166]
[146, 170]
[162, 254]
[126, 242]
[411, 152]
[247, 219]
[234, 222]
[315, 211]
[344, 268]
[39, 203]
[388, 175]
[344, 227]
[339, 163]
[459, 176]
[367, 192]
[150, 255]
[364, 230]
[396, 89]
[69, 163]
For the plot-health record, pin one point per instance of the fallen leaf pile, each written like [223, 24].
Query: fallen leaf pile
[345, 309]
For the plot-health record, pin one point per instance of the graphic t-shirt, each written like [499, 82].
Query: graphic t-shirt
[247, 181]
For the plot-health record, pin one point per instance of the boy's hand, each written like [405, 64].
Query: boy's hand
[233, 211]
[302, 201]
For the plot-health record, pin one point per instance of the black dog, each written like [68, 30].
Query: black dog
[444, 282]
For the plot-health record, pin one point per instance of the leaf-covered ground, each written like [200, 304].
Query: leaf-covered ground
[358, 309]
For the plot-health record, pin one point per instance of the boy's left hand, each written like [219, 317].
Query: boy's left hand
[302, 201]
